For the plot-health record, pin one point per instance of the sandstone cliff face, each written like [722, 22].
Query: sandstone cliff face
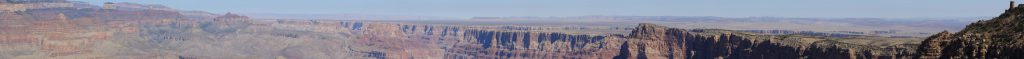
[475, 42]
[40, 29]
[998, 38]
[659, 42]
[646, 41]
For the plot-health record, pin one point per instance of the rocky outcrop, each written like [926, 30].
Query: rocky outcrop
[659, 42]
[477, 41]
[999, 38]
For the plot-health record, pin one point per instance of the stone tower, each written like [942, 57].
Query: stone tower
[1012, 4]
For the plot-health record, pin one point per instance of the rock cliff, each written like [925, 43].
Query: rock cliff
[659, 42]
[459, 41]
[999, 38]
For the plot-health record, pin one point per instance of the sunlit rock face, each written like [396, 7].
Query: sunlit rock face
[451, 41]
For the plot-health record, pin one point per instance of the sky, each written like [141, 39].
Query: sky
[507, 8]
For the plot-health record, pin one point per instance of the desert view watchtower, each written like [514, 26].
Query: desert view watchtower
[1012, 4]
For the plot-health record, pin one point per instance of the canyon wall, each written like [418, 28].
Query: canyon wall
[457, 41]
[659, 42]
[647, 41]
[147, 34]
[163, 34]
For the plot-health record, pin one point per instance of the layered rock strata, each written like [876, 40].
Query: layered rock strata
[145, 34]
[659, 42]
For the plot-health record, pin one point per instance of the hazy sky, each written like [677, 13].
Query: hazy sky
[726, 8]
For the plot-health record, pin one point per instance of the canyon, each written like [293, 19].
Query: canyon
[130, 31]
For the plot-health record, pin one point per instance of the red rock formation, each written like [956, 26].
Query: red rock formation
[62, 32]
[656, 42]
[473, 42]
[14, 28]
